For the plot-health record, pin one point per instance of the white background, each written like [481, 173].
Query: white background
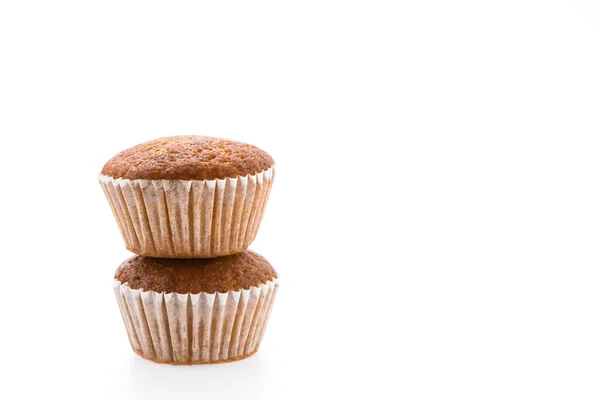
[435, 217]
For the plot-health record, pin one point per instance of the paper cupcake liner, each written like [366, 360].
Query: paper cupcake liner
[199, 328]
[188, 218]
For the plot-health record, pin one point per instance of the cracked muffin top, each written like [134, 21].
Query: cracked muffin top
[187, 158]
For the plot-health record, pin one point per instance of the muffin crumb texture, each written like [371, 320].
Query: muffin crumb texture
[188, 158]
[222, 274]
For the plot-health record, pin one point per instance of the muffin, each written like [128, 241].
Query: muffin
[188, 196]
[196, 311]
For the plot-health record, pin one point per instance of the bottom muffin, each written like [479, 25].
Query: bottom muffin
[196, 311]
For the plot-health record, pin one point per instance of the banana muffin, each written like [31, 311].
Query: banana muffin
[196, 311]
[188, 196]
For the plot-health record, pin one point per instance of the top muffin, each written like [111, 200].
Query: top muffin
[188, 158]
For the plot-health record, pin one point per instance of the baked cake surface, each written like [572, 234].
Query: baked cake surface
[221, 274]
[188, 158]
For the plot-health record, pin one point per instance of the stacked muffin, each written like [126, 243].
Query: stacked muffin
[189, 207]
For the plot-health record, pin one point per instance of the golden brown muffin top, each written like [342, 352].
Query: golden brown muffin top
[188, 157]
[221, 274]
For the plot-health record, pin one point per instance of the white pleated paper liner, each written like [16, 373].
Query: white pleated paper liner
[188, 218]
[199, 328]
